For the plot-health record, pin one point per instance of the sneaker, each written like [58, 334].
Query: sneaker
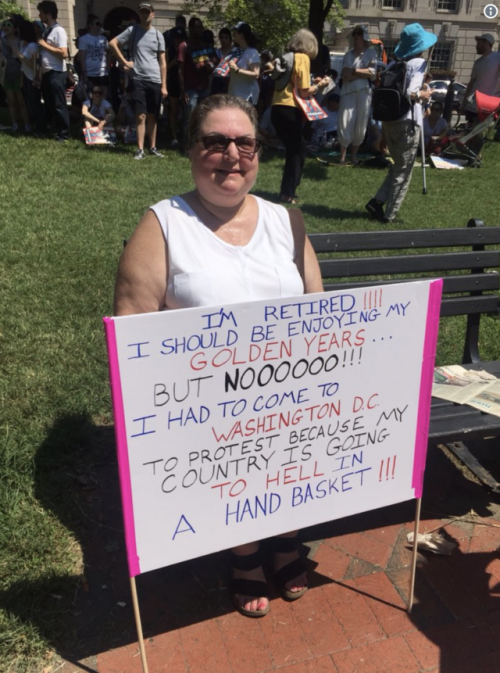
[139, 155]
[376, 210]
[174, 144]
[155, 153]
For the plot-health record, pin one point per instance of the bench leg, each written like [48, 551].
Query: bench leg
[460, 450]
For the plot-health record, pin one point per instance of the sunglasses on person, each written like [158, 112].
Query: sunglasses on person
[97, 23]
[216, 142]
[97, 92]
[7, 24]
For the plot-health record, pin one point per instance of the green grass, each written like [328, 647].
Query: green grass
[64, 212]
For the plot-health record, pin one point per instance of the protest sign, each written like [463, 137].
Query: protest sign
[96, 136]
[240, 422]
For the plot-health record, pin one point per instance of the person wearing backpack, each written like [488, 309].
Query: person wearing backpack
[148, 67]
[397, 103]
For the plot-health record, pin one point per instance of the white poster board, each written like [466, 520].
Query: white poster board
[240, 422]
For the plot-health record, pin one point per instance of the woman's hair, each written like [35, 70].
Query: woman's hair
[304, 42]
[27, 32]
[208, 37]
[213, 104]
[246, 31]
[225, 31]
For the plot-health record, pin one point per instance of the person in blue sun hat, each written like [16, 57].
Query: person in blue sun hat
[402, 135]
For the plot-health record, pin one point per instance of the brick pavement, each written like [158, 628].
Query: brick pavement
[353, 619]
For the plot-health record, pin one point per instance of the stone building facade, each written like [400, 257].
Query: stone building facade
[455, 22]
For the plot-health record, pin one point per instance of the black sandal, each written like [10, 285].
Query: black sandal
[252, 588]
[287, 545]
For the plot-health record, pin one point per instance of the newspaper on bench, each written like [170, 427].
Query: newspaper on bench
[478, 389]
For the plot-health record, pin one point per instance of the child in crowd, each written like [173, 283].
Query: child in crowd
[98, 111]
[435, 128]
[324, 134]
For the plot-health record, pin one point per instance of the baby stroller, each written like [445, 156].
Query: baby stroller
[468, 147]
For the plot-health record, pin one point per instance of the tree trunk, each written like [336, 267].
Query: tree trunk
[318, 11]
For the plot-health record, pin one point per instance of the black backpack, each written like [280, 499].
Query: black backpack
[389, 100]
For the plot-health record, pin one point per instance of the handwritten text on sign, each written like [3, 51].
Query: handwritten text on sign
[245, 421]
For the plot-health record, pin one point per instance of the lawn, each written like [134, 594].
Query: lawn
[65, 211]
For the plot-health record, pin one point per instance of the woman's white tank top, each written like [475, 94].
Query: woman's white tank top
[206, 271]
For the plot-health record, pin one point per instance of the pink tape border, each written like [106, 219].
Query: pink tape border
[427, 375]
[122, 448]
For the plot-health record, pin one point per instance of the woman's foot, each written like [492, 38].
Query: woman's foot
[248, 584]
[259, 605]
[287, 199]
[290, 575]
[297, 585]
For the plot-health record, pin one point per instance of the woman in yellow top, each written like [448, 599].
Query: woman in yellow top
[287, 117]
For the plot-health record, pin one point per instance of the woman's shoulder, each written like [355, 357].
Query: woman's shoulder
[273, 210]
[416, 64]
[300, 58]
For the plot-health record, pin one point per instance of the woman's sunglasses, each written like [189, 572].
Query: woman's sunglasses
[97, 92]
[7, 24]
[97, 23]
[216, 142]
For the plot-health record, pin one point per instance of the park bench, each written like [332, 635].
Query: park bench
[471, 282]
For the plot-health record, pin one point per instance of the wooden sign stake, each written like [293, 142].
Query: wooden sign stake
[138, 625]
[414, 557]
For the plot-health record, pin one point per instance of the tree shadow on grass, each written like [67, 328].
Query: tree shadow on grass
[81, 616]
[316, 210]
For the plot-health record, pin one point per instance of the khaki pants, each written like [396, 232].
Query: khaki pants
[403, 141]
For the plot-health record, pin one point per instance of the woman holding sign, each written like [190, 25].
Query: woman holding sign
[219, 244]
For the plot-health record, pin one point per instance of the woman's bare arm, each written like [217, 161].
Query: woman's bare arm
[141, 281]
[312, 272]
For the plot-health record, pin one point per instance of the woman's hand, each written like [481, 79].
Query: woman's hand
[233, 66]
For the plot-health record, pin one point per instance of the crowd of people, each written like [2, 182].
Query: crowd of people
[141, 77]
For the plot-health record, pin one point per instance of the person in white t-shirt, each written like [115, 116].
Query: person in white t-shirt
[54, 52]
[243, 79]
[98, 111]
[93, 55]
[485, 76]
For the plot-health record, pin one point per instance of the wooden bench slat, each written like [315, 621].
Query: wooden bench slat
[487, 303]
[473, 282]
[454, 411]
[373, 266]
[398, 240]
